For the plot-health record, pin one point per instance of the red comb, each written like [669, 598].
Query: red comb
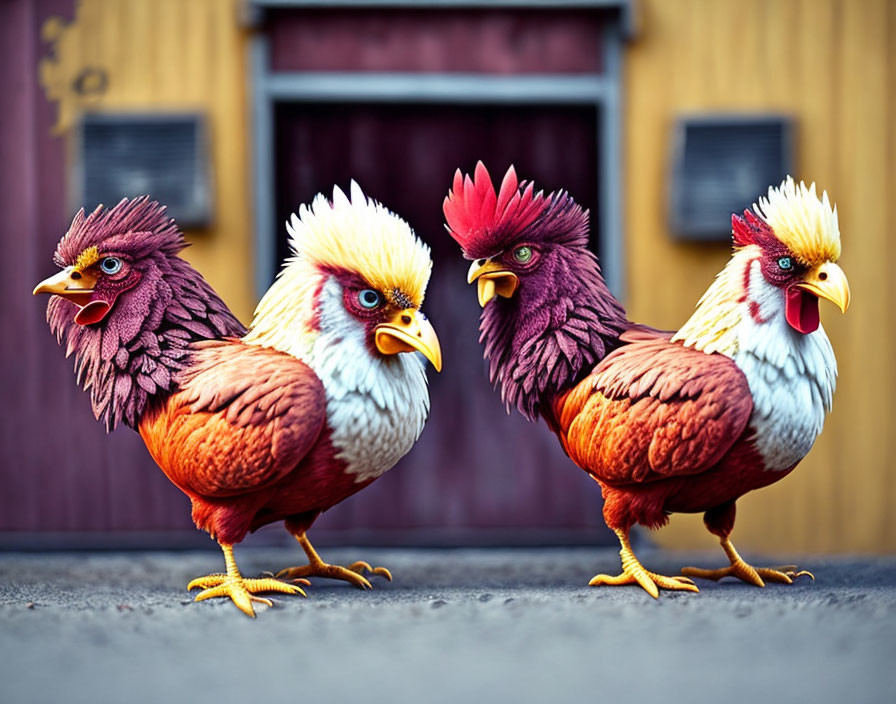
[481, 219]
[750, 229]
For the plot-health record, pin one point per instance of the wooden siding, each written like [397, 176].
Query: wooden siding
[831, 64]
[503, 41]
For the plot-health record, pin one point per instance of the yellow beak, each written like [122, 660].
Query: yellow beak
[69, 283]
[493, 280]
[828, 281]
[409, 331]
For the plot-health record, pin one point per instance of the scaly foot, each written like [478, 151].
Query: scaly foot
[240, 590]
[785, 574]
[650, 581]
[353, 573]
[633, 572]
[757, 576]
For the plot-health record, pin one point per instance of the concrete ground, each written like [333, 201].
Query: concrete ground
[455, 626]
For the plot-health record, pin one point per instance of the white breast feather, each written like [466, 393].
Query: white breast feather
[791, 376]
[376, 406]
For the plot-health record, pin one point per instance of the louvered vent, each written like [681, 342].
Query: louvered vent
[720, 166]
[164, 156]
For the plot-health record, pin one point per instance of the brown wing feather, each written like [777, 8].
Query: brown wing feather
[655, 409]
[244, 417]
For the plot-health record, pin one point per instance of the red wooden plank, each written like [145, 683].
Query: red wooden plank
[486, 41]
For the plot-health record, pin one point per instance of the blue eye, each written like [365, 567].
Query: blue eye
[368, 298]
[785, 263]
[111, 265]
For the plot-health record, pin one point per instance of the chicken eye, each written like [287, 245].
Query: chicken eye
[369, 299]
[785, 263]
[110, 265]
[523, 254]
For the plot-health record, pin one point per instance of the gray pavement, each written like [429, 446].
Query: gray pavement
[455, 626]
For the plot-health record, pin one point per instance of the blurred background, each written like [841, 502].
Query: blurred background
[660, 116]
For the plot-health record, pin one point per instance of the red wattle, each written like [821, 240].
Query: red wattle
[801, 310]
[92, 313]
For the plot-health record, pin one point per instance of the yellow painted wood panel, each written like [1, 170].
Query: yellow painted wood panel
[829, 64]
[173, 55]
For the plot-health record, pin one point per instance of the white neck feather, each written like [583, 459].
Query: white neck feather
[792, 375]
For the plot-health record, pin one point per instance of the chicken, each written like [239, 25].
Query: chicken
[665, 422]
[308, 407]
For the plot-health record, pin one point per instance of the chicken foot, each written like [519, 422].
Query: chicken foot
[240, 590]
[316, 567]
[633, 572]
[757, 576]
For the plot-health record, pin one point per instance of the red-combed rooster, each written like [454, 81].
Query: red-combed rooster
[683, 422]
[309, 407]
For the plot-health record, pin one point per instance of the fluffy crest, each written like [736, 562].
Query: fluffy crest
[362, 236]
[805, 224]
[484, 222]
[136, 226]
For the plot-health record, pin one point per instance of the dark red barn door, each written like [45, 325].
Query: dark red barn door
[477, 474]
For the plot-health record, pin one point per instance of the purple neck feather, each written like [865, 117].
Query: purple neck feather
[550, 335]
[138, 351]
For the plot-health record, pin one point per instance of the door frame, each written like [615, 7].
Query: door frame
[599, 90]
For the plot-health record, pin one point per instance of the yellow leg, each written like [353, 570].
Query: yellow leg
[784, 574]
[634, 573]
[316, 567]
[240, 590]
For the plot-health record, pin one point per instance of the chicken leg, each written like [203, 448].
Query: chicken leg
[633, 572]
[316, 567]
[240, 590]
[784, 574]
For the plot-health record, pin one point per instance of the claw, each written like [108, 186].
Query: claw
[360, 567]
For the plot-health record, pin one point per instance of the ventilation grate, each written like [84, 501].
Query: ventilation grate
[163, 156]
[720, 166]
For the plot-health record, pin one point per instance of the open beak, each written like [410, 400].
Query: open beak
[492, 280]
[828, 281]
[76, 286]
[409, 331]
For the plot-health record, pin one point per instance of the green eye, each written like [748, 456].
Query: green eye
[523, 254]
[785, 263]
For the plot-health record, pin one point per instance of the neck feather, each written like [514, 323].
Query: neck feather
[714, 325]
[138, 352]
[287, 317]
[541, 343]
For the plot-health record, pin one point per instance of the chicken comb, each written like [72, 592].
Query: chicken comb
[484, 222]
[750, 229]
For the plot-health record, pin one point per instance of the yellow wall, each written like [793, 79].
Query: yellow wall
[830, 64]
[182, 55]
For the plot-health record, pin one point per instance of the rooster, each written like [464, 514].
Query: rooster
[281, 422]
[665, 422]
